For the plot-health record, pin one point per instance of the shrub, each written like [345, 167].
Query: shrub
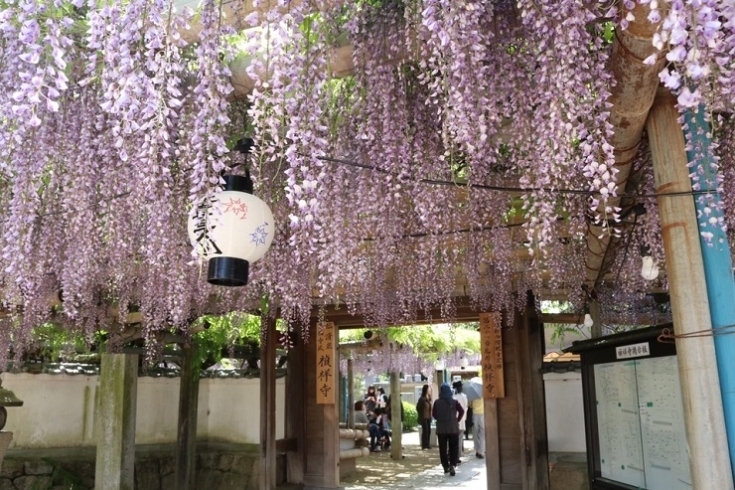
[410, 416]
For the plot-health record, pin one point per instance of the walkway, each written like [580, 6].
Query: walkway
[470, 475]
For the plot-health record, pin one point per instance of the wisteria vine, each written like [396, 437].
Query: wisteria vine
[413, 152]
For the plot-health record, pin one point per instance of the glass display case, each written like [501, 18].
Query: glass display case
[633, 412]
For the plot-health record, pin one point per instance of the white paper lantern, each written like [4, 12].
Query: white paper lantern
[588, 321]
[240, 231]
[649, 269]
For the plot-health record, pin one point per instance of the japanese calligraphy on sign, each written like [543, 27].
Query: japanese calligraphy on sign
[326, 363]
[635, 350]
[491, 338]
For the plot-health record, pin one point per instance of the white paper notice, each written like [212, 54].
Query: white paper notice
[640, 421]
[621, 454]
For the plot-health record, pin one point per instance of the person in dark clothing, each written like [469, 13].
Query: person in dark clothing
[448, 413]
[378, 428]
[469, 422]
[371, 399]
[360, 413]
[423, 407]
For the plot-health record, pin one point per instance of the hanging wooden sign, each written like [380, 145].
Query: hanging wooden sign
[491, 338]
[326, 363]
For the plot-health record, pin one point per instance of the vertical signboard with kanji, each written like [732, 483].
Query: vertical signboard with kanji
[326, 363]
[491, 338]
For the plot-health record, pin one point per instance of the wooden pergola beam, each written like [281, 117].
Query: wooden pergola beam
[631, 98]
[577, 319]
[234, 11]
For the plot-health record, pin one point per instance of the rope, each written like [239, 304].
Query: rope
[669, 337]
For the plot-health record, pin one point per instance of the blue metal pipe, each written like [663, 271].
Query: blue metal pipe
[345, 399]
[717, 262]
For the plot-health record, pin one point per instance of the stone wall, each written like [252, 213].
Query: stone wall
[58, 410]
[217, 469]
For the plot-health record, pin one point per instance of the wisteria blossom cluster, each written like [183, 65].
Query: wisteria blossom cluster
[412, 152]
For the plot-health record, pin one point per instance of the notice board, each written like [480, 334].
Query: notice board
[634, 413]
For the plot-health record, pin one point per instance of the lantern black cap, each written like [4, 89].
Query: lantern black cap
[239, 183]
[228, 271]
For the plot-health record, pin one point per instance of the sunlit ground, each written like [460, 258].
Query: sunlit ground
[379, 469]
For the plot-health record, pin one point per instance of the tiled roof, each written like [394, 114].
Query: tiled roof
[561, 363]
[172, 371]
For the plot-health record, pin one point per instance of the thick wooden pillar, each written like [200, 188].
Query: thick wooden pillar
[530, 342]
[703, 414]
[396, 426]
[494, 386]
[515, 417]
[492, 444]
[321, 443]
[267, 474]
[115, 422]
[186, 439]
[294, 426]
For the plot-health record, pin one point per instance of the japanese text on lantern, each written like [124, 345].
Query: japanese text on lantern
[491, 338]
[326, 353]
[203, 235]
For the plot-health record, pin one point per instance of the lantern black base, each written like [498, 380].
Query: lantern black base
[228, 271]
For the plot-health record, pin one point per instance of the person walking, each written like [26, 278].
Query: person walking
[478, 426]
[423, 408]
[462, 400]
[448, 412]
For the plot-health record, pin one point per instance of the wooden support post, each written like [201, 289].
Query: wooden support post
[703, 415]
[350, 395]
[115, 422]
[494, 381]
[396, 426]
[267, 403]
[532, 401]
[492, 444]
[321, 440]
[517, 334]
[295, 410]
[186, 440]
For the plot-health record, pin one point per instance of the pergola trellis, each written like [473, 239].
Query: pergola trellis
[631, 95]
[313, 262]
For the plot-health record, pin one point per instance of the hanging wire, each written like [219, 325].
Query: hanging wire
[581, 192]
[341, 161]
[668, 336]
